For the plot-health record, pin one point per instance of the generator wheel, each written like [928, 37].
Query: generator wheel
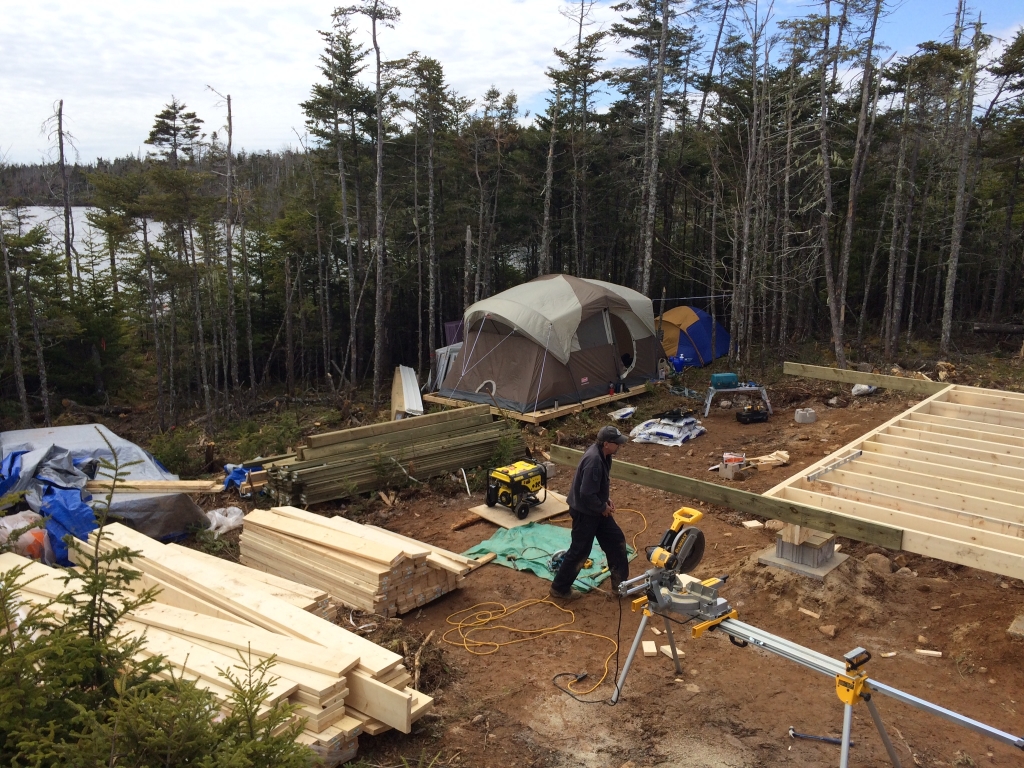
[522, 509]
[492, 495]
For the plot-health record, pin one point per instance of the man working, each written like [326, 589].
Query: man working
[591, 509]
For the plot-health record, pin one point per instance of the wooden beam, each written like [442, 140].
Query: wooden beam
[539, 417]
[975, 413]
[915, 386]
[127, 485]
[744, 501]
[968, 471]
[955, 453]
[996, 448]
[901, 475]
[947, 421]
[391, 427]
[925, 422]
[919, 500]
[952, 549]
[1003, 401]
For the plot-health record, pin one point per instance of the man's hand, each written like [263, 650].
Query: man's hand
[609, 508]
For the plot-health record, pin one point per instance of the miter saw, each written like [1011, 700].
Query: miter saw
[668, 590]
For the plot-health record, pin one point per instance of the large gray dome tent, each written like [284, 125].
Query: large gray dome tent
[554, 339]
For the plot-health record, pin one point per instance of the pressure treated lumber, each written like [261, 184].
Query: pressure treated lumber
[915, 386]
[743, 501]
[391, 427]
[156, 486]
[546, 414]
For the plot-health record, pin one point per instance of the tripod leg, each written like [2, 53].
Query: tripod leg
[629, 660]
[881, 732]
[672, 645]
[844, 755]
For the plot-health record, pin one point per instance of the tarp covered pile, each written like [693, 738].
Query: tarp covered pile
[49, 468]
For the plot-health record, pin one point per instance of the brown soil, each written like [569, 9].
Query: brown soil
[732, 706]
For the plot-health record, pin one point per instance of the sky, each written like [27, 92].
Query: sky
[116, 63]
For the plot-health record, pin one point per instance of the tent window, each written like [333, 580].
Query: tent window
[591, 332]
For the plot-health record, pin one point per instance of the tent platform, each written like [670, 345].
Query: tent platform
[539, 417]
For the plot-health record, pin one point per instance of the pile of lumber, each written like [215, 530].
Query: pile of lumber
[361, 566]
[208, 608]
[337, 465]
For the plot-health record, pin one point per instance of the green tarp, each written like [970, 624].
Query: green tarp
[530, 547]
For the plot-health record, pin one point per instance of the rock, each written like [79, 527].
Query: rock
[901, 560]
[983, 670]
[828, 630]
[865, 367]
[690, 452]
[629, 764]
[693, 672]
[477, 720]
[1016, 629]
[693, 688]
[1003, 585]
[833, 402]
[991, 681]
[879, 563]
[922, 640]
[725, 404]
[774, 525]
[904, 571]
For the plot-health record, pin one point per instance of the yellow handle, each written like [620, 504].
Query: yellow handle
[686, 516]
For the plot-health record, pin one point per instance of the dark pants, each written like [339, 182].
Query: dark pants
[585, 528]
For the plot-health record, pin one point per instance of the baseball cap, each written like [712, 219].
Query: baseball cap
[609, 434]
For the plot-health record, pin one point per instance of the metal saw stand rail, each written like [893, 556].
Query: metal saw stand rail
[698, 600]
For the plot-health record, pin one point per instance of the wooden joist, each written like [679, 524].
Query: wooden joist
[156, 486]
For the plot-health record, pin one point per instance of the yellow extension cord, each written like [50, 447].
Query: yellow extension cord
[481, 618]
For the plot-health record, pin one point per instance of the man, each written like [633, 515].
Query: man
[592, 511]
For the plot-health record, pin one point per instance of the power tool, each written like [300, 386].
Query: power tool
[669, 591]
[517, 486]
[752, 414]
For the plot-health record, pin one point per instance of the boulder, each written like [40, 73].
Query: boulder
[879, 563]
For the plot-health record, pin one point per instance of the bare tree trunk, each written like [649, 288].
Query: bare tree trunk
[65, 185]
[15, 344]
[349, 264]
[711, 67]
[360, 240]
[431, 242]
[870, 276]
[379, 309]
[229, 264]
[652, 180]
[419, 247]
[962, 199]
[549, 178]
[917, 262]
[248, 310]
[1011, 202]
[468, 267]
[835, 314]
[858, 164]
[37, 338]
[289, 334]
[480, 221]
[153, 310]
[892, 343]
[200, 336]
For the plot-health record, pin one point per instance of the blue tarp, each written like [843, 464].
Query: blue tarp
[530, 547]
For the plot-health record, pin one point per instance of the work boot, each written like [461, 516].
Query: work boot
[565, 597]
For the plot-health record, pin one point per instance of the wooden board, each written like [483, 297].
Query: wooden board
[156, 486]
[916, 386]
[744, 501]
[947, 472]
[539, 417]
[506, 518]
[389, 427]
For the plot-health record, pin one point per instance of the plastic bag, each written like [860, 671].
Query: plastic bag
[33, 543]
[224, 520]
[623, 413]
[863, 389]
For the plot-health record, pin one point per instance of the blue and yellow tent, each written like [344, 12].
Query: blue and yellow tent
[686, 333]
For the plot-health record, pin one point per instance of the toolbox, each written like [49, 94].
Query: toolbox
[724, 380]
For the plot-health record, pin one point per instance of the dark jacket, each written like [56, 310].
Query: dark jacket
[590, 485]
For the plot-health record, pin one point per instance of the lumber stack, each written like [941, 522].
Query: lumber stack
[369, 690]
[362, 566]
[337, 465]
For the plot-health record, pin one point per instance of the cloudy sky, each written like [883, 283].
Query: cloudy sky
[117, 62]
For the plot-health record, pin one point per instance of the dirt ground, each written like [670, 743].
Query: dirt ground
[732, 706]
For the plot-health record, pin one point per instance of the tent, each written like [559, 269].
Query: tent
[686, 333]
[554, 339]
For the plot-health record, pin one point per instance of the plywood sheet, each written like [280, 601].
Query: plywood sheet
[506, 518]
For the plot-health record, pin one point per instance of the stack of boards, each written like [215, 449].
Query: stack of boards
[337, 465]
[362, 566]
[208, 610]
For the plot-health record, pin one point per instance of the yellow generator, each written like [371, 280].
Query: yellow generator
[517, 485]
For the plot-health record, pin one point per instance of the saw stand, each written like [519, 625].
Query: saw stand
[632, 653]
